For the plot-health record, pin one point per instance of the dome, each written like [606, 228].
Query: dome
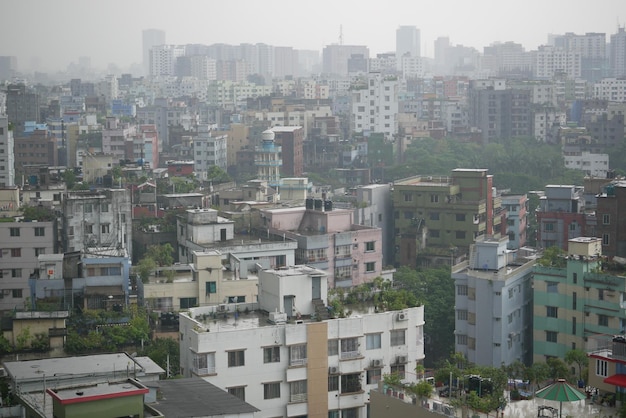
[267, 135]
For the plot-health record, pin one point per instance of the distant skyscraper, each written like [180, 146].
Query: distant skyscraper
[151, 38]
[8, 66]
[407, 43]
[335, 57]
[618, 53]
[7, 168]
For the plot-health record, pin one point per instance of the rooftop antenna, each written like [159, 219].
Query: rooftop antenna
[340, 34]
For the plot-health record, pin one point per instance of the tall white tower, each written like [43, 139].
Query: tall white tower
[407, 43]
[151, 38]
[267, 159]
[7, 160]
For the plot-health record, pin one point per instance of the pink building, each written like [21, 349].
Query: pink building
[329, 240]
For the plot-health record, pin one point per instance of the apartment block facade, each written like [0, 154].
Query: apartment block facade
[375, 104]
[22, 243]
[286, 366]
[493, 304]
[438, 217]
[560, 216]
[611, 226]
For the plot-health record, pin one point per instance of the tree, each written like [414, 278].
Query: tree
[536, 373]
[579, 357]
[557, 369]
[144, 268]
[552, 257]
[38, 213]
[69, 177]
[161, 254]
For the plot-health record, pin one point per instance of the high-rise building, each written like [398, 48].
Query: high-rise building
[618, 53]
[267, 160]
[163, 59]
[291, 139]
[611, 227]
[7, 159]
[375, 105]
[407, 43]
[8, 67]
[22, 106]
[592, 49]
[335, 57]
[150, 39]
[209, 151]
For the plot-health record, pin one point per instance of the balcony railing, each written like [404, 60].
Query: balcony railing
[298, 397]
[203, 371]
[298, 362]
[349, 355]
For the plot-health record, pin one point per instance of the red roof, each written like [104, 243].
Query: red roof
[616, 380]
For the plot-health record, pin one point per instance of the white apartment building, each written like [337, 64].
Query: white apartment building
[163, 59]
[493, 305]
[546, 122]
[21, 244]
[595, 165]
[208, 151]
[286, 363]
[7, 158]
[414, 67]
[203, 67]
[375, 105]
[551, 60]
[611, 89]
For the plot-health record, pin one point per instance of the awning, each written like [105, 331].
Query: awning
[616, 380]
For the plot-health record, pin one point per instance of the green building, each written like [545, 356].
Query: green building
[576, 299]
[436, 218]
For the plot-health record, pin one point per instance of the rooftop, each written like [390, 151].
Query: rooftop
[98, 392]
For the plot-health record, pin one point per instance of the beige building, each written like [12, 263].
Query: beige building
[205, 283]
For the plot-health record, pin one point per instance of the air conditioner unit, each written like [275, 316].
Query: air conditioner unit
[221, 308]
[402, 316]
[401, 360]
[376, 363]
[333, 370]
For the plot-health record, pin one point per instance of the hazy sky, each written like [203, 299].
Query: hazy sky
[60, 31]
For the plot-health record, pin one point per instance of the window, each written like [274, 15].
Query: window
[14, 232]
[297, 391]
[460, 217]
[602, 368]
[605, 239]
[408, 214]
[575, 277]
[88, 229]
[600, 294]
[434, 198]
[372, 341]
[105, 228]
[186, 303]
[40, 231]
[203, 363]
[105, 208]
[211, 287]
[398, 369]
[16, 273]
[461, 315]
[16, 252]
[552, 287]
[297, 355]
[433, 216]
[552, 312]
[271, 355]
[373, 376]
[574, 301]
[236, 358]
[351, 383]
[370, 267]
[603, 320]
[239, 391]
[271, 390]
[369, 246]
[333, 347]
[548, 227]
[434, 233]
[574, 325]
[460, 234]
[88, 208]
[461, 290]
[551, 336]
[461, 339]
[16, 293]
[39, 251]
[349, 348]
[408, 197]
[397, 337]
[606, 219]
[333, 383]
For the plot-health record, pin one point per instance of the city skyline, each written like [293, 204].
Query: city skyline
[51, 35]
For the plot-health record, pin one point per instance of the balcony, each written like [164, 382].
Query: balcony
[349, 355]
[203, 371]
